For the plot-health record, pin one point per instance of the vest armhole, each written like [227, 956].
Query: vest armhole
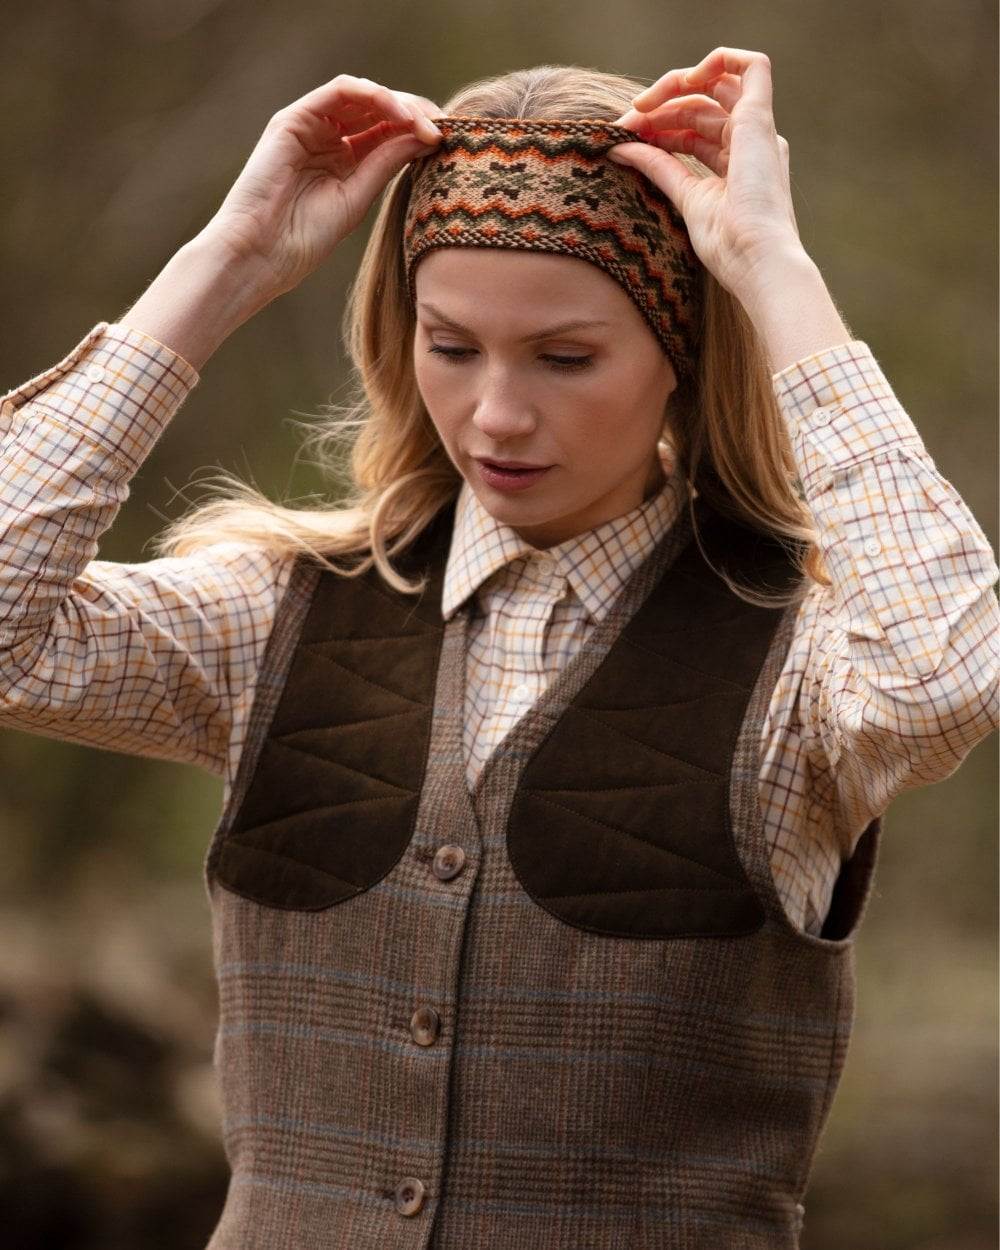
[289, 618]
[853, 887]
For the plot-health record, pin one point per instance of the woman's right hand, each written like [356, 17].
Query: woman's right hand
[315, 172]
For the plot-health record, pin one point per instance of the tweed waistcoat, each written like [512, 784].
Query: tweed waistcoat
[565, 1010]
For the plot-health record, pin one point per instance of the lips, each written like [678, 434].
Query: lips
[510, 479]
[510, 464]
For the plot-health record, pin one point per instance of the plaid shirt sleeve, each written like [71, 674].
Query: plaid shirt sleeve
[904, 653]
[152, 658]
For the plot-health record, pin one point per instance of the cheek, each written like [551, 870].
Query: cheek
[428, 386]
[616, 430]
[436, 400]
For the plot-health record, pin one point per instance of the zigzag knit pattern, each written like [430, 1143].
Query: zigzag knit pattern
[549, 186]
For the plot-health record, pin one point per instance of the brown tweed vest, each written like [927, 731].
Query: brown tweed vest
[567, 1012]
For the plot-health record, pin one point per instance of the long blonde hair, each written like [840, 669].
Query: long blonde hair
[726, 430]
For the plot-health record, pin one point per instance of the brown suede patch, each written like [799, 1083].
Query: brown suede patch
[335, 791]
[621, 821]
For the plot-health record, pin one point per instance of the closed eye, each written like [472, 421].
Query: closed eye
[568, 363]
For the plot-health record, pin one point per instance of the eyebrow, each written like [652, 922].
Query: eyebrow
[550, 332]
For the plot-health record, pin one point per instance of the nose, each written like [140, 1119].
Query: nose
[502, 415]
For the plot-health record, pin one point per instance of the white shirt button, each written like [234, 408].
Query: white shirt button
[546, 566]
[96, 373]
[822, 415]
[872, 546]
[521, 694]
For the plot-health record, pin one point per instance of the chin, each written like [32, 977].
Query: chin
[538, 509]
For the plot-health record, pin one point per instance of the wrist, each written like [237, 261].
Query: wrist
[769, 268]
[198, 299]
[790, 306]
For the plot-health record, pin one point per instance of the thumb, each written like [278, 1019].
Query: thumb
[381, 164]
[661, 168]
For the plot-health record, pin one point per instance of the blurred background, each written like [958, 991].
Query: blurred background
[124, 122]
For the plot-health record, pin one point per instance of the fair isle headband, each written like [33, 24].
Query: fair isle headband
[548, 186]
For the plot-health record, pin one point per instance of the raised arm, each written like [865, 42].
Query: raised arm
[157, 658]
[903, 674]
[149, 658]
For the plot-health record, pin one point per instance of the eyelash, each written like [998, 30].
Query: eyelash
[568, 364]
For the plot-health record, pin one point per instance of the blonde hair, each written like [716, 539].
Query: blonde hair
[725, 427]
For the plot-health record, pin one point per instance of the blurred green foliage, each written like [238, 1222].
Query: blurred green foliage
[124, 123]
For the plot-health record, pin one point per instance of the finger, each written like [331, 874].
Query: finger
[673, 83]
[364, 141]
[421, 102]
[356, 118]
[418, 108]
[372, 173]
[661, 168]
[348, 97]
[341, 146]
[361, 103]
[368, 160]
[719, 62]
[754, 69]
[699, 113]
[362, 145]
[725, 89]
[707, 151]
[418, 120]
[324, 133]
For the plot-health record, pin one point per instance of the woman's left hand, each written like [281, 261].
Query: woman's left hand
[720, 112]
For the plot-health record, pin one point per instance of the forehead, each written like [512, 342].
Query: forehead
[469, 278]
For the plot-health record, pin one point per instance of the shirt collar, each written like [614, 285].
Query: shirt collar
[596, 563]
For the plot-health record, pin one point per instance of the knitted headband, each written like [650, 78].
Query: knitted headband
[548, 186]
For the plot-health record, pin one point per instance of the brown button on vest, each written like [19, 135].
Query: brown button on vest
[566, 1011]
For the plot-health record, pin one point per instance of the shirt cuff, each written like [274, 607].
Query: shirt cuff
[839, 409]
[118, 386]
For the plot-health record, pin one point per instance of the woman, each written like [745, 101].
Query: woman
[553, 793]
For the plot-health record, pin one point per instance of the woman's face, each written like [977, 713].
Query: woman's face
[511, 390]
